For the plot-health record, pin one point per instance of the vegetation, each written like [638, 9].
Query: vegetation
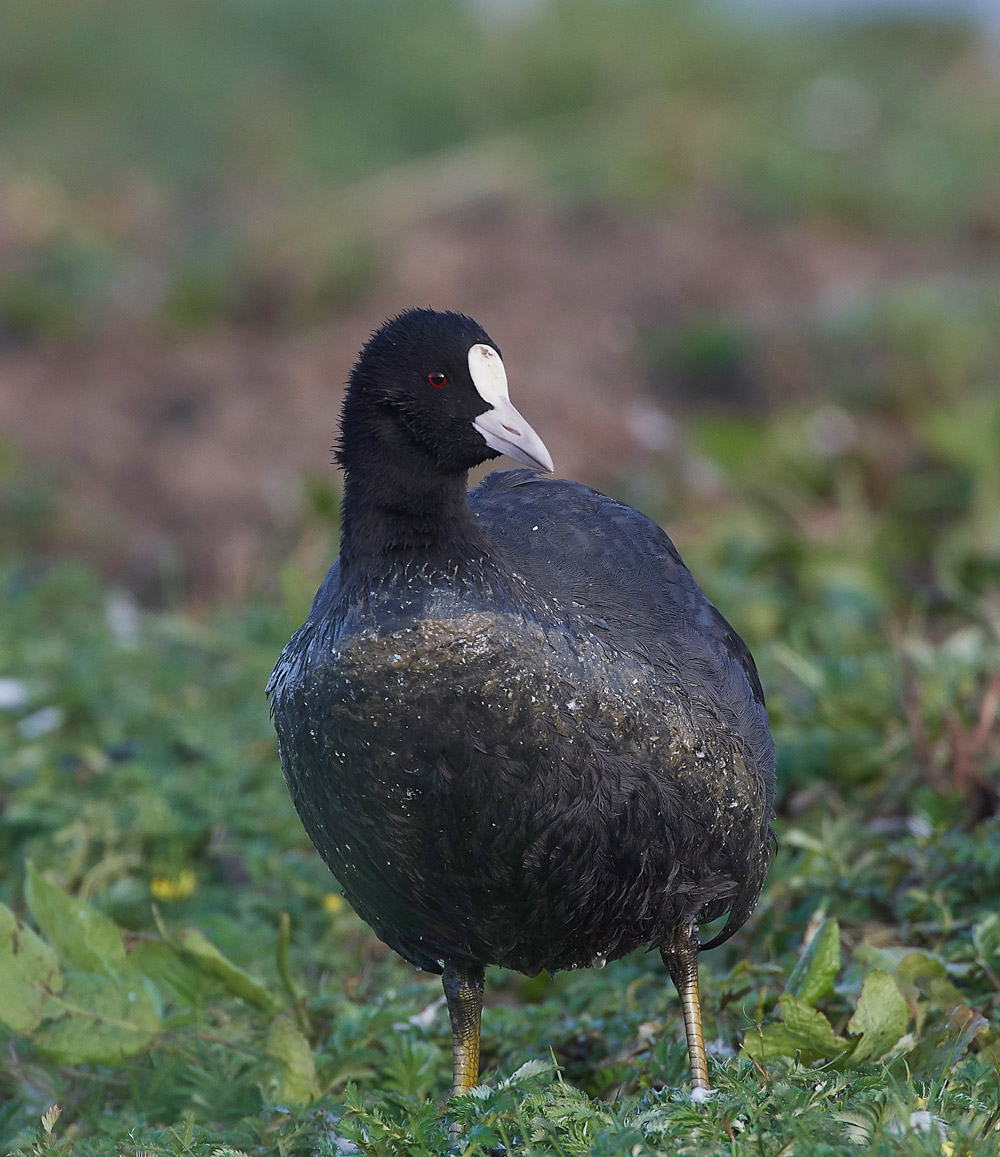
[204, 161]
[152, 853]
[178, 972]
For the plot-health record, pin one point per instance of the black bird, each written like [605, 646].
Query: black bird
[512, 724]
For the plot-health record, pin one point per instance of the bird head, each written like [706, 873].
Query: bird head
[437, 381]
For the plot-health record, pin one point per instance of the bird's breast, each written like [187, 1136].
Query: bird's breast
[532, 773]
[516, 704]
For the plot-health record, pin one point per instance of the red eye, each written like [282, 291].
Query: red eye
[437, 379]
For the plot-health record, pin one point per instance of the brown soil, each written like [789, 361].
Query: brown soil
[193, 449]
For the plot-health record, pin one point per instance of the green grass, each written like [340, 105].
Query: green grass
[861, 565]
[215, 996]
[202, 161]
[199, 90]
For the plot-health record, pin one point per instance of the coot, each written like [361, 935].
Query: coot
[512, 724]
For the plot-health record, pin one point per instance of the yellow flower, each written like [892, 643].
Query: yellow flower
[177, 887]
[332, 903]
[947, 1148]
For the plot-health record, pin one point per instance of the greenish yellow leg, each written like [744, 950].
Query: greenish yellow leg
[680, 955]
[463, 990]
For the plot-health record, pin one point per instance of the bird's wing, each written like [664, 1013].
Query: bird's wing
[617, 565]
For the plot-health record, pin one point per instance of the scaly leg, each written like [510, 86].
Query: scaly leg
[680, 955]
[463, 990]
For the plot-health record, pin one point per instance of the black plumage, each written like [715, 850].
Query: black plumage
[512, 724]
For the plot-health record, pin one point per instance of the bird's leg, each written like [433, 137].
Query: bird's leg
[463, 990]
[680, 955]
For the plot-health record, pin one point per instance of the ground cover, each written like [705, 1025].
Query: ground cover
[178, 973]
[197, 982]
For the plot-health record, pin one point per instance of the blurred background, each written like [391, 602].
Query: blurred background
[716, 243]
[743, 262]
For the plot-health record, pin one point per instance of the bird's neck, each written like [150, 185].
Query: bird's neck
[398, 515]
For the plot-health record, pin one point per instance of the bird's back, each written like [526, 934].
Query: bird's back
[616, 569]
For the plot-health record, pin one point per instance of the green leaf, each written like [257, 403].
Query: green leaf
[817, 967]
[988, 1046]
[29, 972]
[810, 1024]
[201, 952]
[986, 937]
[85, 939]
[287, 1045]
[806, 1032]
[881, 1017]
[923, 973]
[102, 1021]
[943, 1046]
[161, 962]
[529, 1071]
